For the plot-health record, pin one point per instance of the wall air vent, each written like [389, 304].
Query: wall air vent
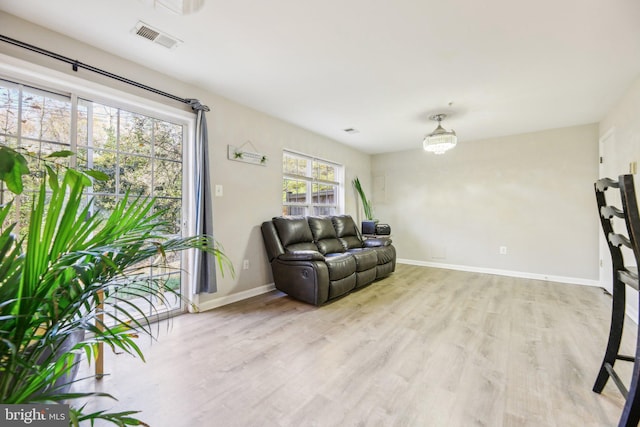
[156, 36]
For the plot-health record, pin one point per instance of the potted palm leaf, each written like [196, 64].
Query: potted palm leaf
[368, 225]
[51, 281]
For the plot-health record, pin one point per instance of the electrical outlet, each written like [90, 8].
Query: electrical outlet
[245, 264]
[503, 250]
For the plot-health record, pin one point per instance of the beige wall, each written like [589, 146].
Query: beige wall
[532, 193]
[252, 193]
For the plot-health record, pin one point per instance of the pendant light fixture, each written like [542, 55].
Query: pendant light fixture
[440, 140]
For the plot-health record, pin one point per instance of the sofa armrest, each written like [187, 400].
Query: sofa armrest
[377, 242]
[302, 256]
[305, 280]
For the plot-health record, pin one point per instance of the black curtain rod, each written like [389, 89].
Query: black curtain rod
[75, 64]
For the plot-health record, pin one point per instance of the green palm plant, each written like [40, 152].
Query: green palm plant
[366, 203]
[51, 283]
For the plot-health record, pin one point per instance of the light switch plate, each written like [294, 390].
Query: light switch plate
[218, 190]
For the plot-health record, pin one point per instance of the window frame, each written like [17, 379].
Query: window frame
[310, 179]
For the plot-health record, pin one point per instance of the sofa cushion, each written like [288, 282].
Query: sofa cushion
[325, 235]
[344, 225]
[347, 231]
[383, 270]
[327, 246]
[386, 254]
[365, 258]
[340, 265]
[363, 278]
[376, 242]
[342, 286]
[322, 227]
[294, 233]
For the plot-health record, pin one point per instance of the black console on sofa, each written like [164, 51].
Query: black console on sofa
[317, 259]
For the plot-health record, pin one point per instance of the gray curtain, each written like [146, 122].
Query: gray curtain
[205, 263]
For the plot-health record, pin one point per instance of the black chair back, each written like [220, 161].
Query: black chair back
[619, 237]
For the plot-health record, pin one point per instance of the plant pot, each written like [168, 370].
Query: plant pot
[63, 384]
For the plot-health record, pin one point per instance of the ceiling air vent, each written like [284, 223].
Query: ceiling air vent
[156, 36]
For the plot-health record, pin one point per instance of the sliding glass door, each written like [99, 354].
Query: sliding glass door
[140, 154]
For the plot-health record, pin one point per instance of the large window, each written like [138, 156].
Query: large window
[38, 122]
[310, 186]
[139, 153]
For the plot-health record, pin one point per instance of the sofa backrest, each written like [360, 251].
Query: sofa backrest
[324, 235]
[295, 233]
[347, 231]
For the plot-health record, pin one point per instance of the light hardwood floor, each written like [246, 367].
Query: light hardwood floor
[423, 347]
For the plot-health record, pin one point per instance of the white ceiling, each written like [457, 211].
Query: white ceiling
[381, 66]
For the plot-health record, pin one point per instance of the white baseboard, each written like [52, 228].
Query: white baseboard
[521, 274]
[239, 296]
